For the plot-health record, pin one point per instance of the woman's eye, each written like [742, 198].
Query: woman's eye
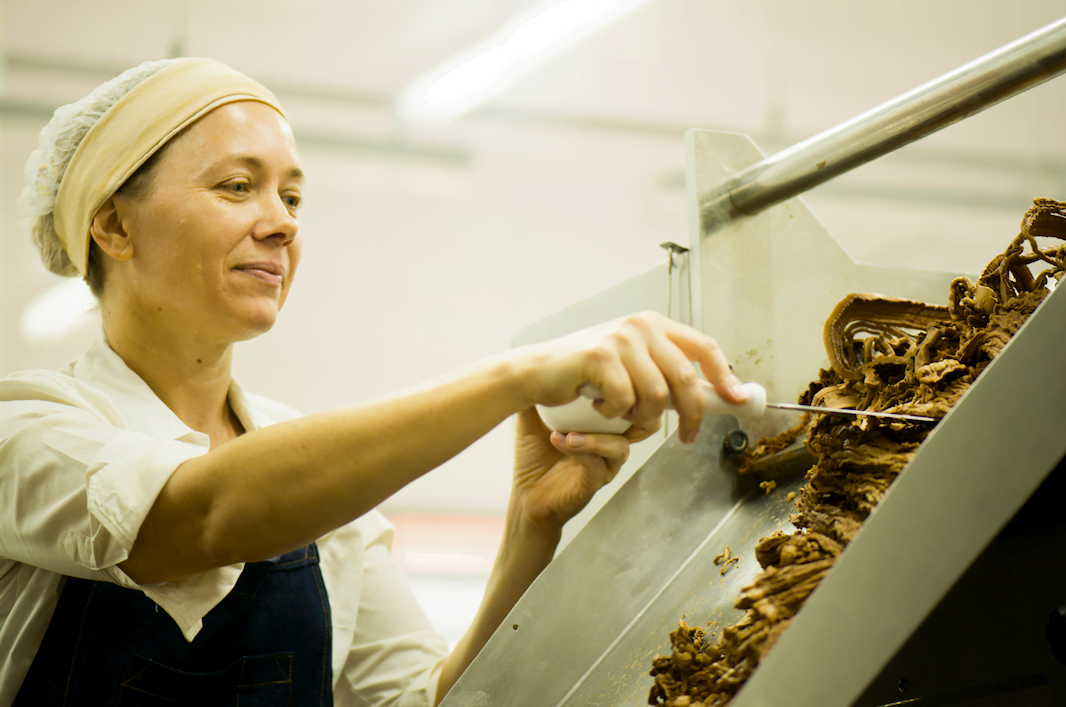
[238, 187]
[291, 200]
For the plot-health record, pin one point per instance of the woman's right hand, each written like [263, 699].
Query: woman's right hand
[639, 362]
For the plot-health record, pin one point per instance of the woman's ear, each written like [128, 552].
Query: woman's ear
[109, 231]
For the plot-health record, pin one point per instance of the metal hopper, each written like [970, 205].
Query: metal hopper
[941, 598]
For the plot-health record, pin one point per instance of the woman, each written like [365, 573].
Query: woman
[168, 536]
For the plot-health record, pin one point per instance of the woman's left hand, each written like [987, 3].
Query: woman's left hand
[555, 475]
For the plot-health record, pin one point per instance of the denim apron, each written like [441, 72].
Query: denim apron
[267, 644]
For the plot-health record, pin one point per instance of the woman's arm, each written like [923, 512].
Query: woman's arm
[554, 479]
[278, 488]
[524, 553]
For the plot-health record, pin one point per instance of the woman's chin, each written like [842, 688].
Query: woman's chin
[256, 322]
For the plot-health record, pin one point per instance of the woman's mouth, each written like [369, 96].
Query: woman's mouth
[269, 273]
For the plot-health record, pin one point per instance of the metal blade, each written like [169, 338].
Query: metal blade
[846, 411]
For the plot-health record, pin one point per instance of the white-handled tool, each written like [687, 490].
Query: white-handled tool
[580, 416]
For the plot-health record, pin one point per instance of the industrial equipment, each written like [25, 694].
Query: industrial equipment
[944, 596]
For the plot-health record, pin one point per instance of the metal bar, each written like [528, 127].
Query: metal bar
[853, 413]
[958, 94]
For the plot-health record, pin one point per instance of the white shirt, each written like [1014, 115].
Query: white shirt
[83, 454]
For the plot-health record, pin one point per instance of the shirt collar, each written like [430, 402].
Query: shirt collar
[244, 407]
[142, 410]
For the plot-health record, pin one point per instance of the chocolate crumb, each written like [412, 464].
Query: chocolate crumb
[721, 557]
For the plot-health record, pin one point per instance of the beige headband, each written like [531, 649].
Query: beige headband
[132, 130]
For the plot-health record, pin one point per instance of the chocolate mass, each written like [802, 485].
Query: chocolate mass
[886, 354]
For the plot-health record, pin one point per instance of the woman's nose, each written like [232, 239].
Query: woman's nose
[278, 221]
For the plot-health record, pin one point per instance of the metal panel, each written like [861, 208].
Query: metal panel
[988, 635]
[590, 625]
[966, 482]
[764, 284]
[660, 289]
[586, 631]
[654, 289]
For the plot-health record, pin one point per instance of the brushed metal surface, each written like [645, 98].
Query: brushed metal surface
[763, 285]
[968, 479]
[586, 631]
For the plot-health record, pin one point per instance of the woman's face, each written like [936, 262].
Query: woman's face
[214, 240]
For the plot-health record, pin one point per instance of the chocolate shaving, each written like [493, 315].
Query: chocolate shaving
[886, 354]
[772, 445]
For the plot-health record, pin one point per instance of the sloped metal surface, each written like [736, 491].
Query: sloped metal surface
[587, 630]
[966, 482]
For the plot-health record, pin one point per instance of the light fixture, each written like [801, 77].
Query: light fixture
[486, 69]
[57, 311]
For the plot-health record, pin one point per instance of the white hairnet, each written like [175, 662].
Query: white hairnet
[48, 163]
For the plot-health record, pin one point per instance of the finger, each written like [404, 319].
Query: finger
[613, 464]
[609, 447]
[605, 370]
[689, 400]
[602, 456]
[651, 388]
[701, 348]
[639, 433]
[596, 469]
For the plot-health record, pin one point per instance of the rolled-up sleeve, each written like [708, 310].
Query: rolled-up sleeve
[76, 488]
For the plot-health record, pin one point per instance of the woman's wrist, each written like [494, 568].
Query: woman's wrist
[524, 368]
[522, 529]
[511, 374]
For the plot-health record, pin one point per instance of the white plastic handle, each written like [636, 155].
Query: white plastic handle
[580, 416]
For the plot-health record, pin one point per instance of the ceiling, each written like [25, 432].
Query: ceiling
[430, 246]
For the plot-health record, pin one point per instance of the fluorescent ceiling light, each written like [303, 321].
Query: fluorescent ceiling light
[57, 311]
[487, 69]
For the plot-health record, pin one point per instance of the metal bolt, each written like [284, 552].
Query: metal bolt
[903, 684]
[736, 442]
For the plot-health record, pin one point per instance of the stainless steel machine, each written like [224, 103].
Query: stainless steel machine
[945, 594]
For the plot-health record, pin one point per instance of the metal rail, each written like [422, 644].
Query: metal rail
[971, 88]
